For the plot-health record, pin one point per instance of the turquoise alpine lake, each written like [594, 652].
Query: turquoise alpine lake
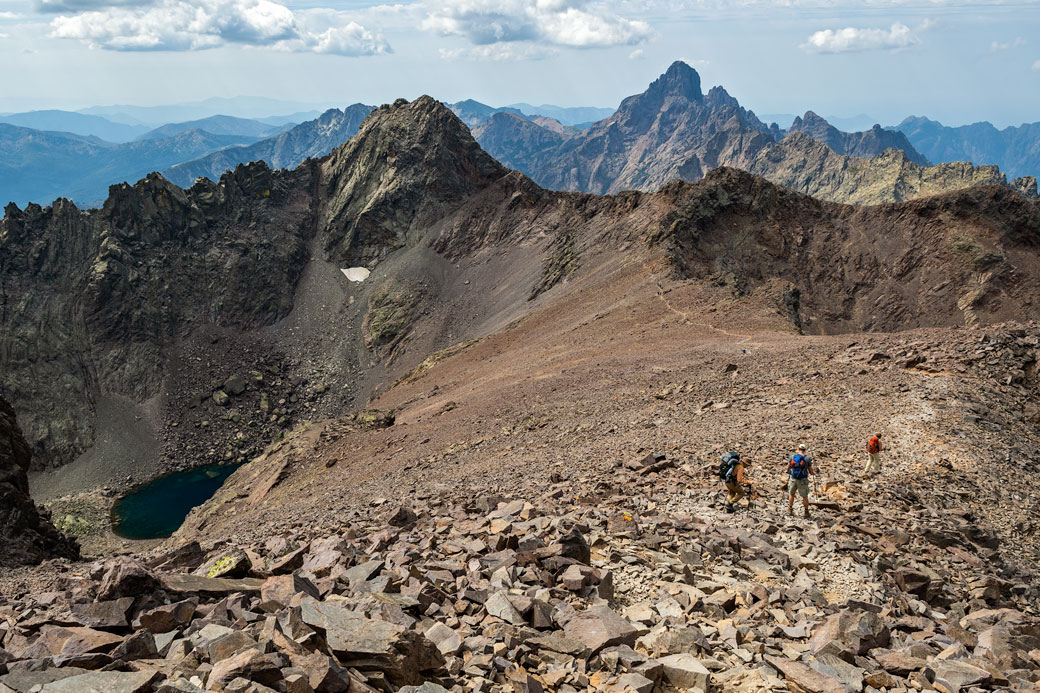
[156, 509]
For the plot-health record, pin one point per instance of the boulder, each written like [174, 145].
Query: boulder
[804, 678]
[370, 644]
[103, 614]
[683, 670]
[600, 626]
[235, 385]
[103, 682]
[279, 591]
[499, 606]
[126, 577]
[857, 631]
[163, 619]
[249, 664]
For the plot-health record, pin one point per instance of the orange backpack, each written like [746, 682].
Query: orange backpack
[874, 445]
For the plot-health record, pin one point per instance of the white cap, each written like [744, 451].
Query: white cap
[802, 446]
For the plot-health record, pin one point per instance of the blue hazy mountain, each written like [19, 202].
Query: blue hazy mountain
[568, 115]
[219, 125]
[238, 106]
[313, 138]
[40, 166]
[1015, 149]
[76, 123]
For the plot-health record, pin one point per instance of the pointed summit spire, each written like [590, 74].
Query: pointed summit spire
[679, 80]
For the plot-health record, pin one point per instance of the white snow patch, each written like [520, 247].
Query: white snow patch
[356, 274]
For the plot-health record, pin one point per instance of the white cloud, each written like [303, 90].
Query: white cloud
[182, 25]
[850, 39]
[636, 54]
[53, 6]
[1036, 66]
[999, 47]
[564, 23]
[4, 36]
[500, 52]
[8, 15]
[351, 39]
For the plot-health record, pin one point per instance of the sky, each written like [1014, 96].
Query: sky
[957, 62]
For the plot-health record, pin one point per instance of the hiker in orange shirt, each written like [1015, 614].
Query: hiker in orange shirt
[873, 455]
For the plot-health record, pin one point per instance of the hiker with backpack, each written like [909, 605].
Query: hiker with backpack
[732, 472]
[873, 455]
[798, 470]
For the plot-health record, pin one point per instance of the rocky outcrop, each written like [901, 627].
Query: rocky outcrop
[802, 163]
[26, 534]
[863, 145]
[515, 141]
[410, 165]
[90, 300]
[312, 139]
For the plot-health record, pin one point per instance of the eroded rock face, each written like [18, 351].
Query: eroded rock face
[865, 145]
[26, 535]
[675, 131]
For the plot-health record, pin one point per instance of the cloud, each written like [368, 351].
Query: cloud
[76, 6]
[998, 47]
[500, 52]
[637, 54]
[351, 40]
[849, 40]
[185, 25]
[563, 23]
[8, 15]
[1036, 66]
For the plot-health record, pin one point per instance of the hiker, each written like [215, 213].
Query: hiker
[873, 455]
[732, 471]
[798, 471]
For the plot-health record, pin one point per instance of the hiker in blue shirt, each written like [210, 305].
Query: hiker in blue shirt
[798, 471]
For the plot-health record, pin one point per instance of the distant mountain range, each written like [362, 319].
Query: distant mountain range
[38, 165]
[675, 130]
[672, 130]
[287, 150]
[238, 106]
[219, 125]
[1014, 149]
[76, 123]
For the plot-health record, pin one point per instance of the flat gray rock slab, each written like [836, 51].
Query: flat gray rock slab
[103, 682]
[184, 583]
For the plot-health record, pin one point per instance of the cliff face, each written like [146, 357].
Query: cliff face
[89, 299]
[26, 536]
[672, 130]
[864, 145]
[808, 166]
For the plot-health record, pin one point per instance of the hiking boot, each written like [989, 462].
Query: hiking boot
[730, 508]
[806, 512]
[790, 510]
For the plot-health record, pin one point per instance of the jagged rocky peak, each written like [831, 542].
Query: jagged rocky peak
[409, 165]
[679, 80]
[26, 535]
[679, 84]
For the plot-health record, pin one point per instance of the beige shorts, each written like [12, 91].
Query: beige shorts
[799, 486]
